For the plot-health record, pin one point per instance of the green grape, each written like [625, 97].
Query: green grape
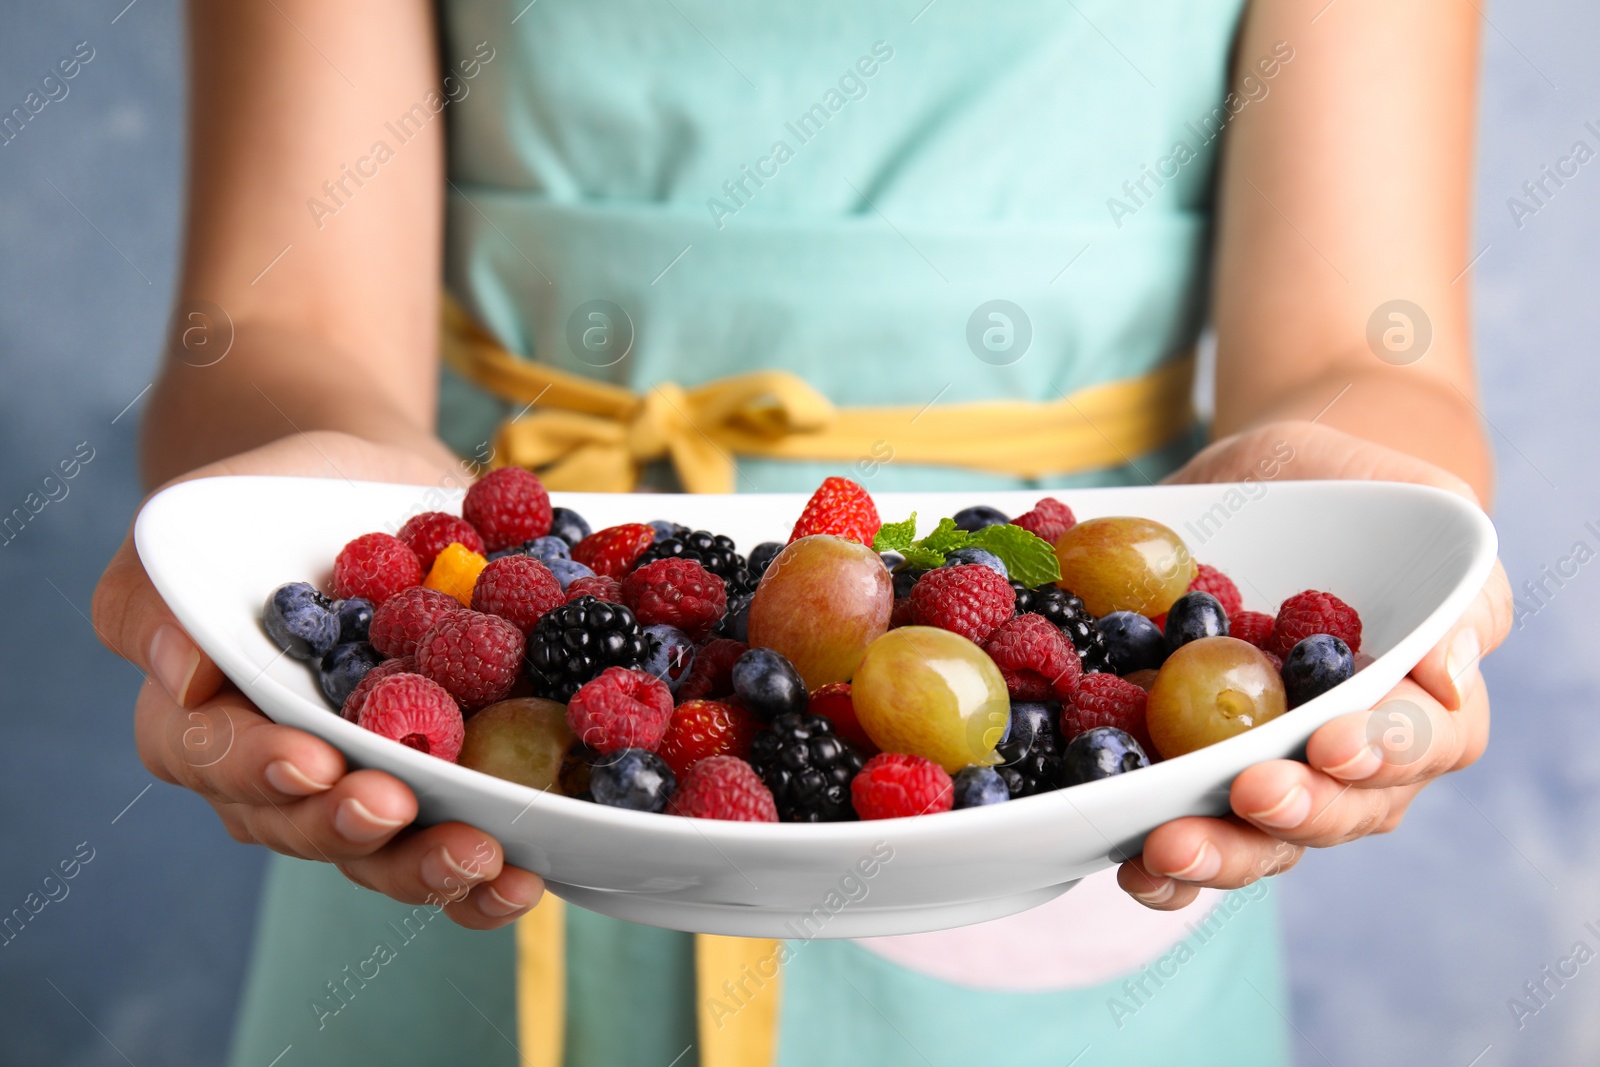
[932, 693]
[1124, 564]
[521, 740]
[1210, 690]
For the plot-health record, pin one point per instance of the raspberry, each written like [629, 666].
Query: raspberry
[896, 784]
[358, 696]
[507, 506]
[614, 550]
[1207, 579]
[1049, 519]
[968, 599]
[679, 592]
[406, 616]
[1106, 700]
[519, 589]
[1310, 613]
[620, 709]
[723, 787]
[375, 566]
[428, 534]
[901, 614]
[474, 656]
[842, 508]
[833, 701]
[712, 674]
[1035, 658]
[598, 586]
[419, 714]
[700, 729]
[1252, 626]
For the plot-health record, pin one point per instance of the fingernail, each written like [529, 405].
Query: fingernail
[291, 781]
[441, 873]
[1205, 865]
[1159, 895]
[1462, 657]
[174, 660]
[1358, 768]
[1288, 812]
[355, 822]
[492, 904]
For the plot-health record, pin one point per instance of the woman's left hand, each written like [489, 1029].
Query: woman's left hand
[1349, 786]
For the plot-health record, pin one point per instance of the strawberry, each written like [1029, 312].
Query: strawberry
[700, 729]
[614, 550]
[842, 508]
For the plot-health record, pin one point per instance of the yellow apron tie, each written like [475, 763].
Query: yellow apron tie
[588, 435]
[542, 983]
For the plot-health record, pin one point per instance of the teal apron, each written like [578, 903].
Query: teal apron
[837, 189]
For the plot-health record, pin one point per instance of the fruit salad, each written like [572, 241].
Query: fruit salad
[854, 670]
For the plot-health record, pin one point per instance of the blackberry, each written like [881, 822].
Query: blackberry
[714, 552]
[807, 767]
[1067, 611]
[1032, 750]
[575, 642]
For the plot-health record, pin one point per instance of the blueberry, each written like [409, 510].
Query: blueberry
[355, 616]
[891, 560]
[671, 654]
[632, 778]
[1314, 666]
[665, 529]
[544, 549]
[300, 620]
[1029, 720]
[981, 556]
[761, 557]
[979, 516]
[768, 684]
[1100, 753]
[977, 786]
[1193, 616]
[904, 578]
[736, 621]
[567, 571]
[501, 553]
[568, 525]
[1133, 641]
[342, 669]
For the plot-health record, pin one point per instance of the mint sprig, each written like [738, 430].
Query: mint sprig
[1028, 558]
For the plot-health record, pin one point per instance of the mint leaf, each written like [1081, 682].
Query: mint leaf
[922, 558]
[1028, 558]
[896, 536]
[946, 538]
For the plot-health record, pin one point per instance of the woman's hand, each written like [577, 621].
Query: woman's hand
[1347, 788]
[280, 787]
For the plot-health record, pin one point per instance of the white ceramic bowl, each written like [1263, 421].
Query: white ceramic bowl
[1409, 559]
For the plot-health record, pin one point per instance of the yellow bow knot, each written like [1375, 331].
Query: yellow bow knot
[586, 435]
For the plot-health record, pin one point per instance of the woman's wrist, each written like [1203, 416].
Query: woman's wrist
[271, 387]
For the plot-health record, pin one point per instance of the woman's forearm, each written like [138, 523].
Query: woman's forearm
[273, 383]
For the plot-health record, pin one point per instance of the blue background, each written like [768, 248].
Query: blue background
[1404, 949]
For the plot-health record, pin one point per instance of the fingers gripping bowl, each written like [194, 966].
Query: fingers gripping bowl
[1409, 558]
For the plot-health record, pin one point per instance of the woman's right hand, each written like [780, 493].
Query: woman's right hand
[281, 787]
